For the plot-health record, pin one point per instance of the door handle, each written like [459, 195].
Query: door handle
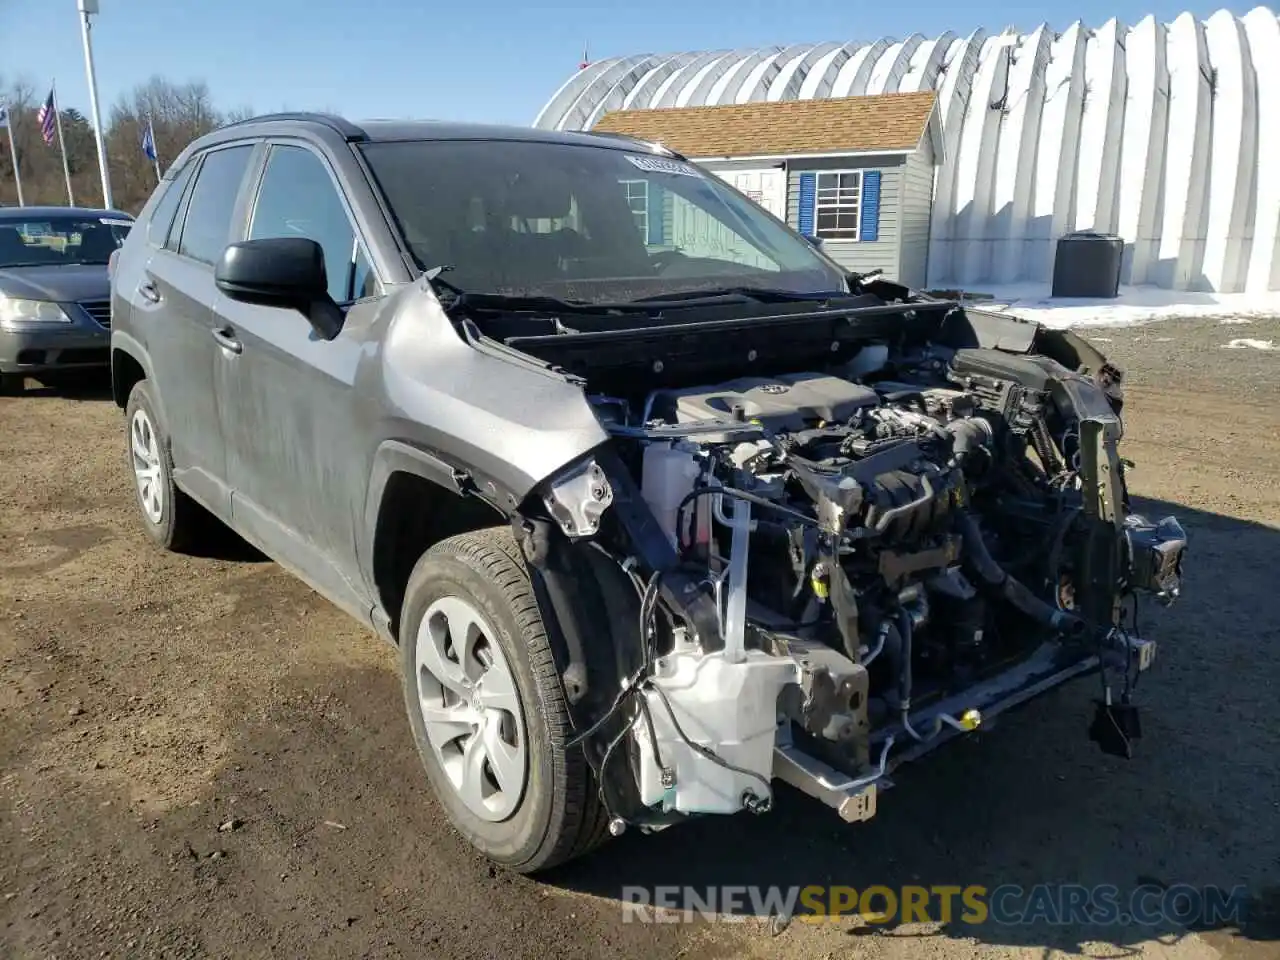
[227, 341]
[149, 292]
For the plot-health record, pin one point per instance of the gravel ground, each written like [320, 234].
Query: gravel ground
[201, 758]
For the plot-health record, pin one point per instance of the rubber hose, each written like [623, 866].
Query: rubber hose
[979, 559]
[904, 677]
[893, 651]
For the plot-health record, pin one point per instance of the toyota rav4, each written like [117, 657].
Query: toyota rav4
[660, 505]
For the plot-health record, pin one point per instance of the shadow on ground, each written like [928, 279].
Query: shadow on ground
[1032, 801]
[90, 384]
[220, 542]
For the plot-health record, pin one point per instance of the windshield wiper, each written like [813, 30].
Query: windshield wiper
[759, 294]
[432, 277]
[460, 299]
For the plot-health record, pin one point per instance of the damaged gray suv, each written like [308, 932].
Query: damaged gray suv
[660, 505]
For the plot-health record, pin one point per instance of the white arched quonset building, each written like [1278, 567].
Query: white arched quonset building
[1155, 132]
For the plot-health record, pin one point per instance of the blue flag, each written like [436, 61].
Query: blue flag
[149, 142]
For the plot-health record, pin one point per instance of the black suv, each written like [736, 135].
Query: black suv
[659, 504]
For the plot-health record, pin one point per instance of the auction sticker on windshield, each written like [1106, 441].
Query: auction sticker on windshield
[660, 165]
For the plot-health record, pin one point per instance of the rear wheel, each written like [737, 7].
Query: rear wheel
[487, 709]
[12, 384]
[170, 518]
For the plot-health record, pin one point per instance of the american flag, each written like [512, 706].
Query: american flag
[47, 115]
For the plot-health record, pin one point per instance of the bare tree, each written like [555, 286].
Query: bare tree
[179, 113]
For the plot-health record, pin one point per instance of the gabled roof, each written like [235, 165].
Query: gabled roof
[884, 123]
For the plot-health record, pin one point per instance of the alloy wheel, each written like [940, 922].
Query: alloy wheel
[471, 709]
[148, 469]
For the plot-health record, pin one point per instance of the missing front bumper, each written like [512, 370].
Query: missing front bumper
[855, 799]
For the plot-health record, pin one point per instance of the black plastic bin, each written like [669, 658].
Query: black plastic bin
[1087, 264]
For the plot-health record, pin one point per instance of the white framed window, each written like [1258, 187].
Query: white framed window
[838, 205]
[638, 201]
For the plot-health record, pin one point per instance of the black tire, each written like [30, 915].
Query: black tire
[180, 523]
[12, 384]
[559, 816]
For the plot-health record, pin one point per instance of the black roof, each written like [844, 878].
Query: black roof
[20, 213]
[373, 131]
[384, 130]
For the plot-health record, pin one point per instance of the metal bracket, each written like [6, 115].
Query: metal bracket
[861, 806]
[854, 798]
[831, 698]
[579, 498]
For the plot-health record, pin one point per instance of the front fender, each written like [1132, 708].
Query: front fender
[396, 456]
[493, 411]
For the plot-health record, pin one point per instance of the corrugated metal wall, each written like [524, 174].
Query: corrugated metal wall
[1162, 133]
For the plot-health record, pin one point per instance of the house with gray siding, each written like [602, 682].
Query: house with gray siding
[855, 173]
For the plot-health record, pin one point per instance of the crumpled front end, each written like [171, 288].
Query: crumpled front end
[825, 573]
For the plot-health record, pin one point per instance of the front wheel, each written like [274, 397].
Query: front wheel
[12, 384]
[487, 709]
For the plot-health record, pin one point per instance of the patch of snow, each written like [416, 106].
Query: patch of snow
[1134, 306]
[1100, 339]
[1249, 344]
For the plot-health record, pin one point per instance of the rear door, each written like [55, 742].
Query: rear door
[176, 292]
[297, 452]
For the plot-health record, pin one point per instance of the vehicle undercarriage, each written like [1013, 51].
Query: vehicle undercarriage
[831, 539]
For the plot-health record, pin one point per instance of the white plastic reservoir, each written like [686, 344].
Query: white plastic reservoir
[729, 708]
[667, 476]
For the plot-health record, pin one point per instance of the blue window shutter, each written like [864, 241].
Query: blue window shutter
[808, 196]
[656, 208]
[869, 226]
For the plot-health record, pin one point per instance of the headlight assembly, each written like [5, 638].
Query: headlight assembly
[17, 311]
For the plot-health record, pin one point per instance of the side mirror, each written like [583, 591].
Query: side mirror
[814, 241]
[285, 272]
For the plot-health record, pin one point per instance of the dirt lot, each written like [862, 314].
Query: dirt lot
[147, 700]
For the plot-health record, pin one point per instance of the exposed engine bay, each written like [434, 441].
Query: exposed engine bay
[842, 566]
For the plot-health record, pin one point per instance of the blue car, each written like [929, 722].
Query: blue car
[55, 294]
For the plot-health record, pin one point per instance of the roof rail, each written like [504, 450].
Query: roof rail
[652, 145]
[339, 124]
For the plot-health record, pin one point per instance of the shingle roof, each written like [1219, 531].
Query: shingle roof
[885, 122]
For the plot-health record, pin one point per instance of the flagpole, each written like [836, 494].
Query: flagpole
[87, 8]
[13, 152]
[155, 151]
[66, 170]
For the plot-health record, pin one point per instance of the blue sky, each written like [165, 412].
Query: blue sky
[496, 61]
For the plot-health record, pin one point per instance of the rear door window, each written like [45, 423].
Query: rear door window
[162, 219]
[207, 227]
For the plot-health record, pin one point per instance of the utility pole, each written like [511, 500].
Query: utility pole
[87, 8]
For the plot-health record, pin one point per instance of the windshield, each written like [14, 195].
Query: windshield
[585, 223]
[60, 240]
